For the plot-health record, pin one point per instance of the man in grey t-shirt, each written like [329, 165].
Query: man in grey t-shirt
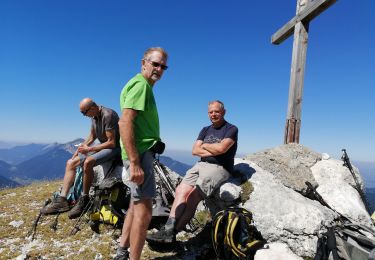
[104, 127]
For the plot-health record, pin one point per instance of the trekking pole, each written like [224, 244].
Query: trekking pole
[164, 179]
[76, 228]
[319, 198]
[53, 226]
[167, 183]
[348, 164]
[33, 227]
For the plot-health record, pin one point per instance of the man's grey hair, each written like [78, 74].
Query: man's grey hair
[158, 49]
[217, 101]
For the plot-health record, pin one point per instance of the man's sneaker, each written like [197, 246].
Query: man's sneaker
[122, 255]
[162, 236]
[58, 205]
[79, 207]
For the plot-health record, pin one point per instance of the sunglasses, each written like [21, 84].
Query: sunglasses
[157, 65]
[84, 112]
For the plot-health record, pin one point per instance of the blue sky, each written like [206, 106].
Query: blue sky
[54, 53]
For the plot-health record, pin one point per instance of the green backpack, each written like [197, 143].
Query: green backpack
[234, 235]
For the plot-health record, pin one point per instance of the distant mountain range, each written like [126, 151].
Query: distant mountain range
[21, 165]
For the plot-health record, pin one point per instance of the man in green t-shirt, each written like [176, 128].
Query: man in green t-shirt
[139, 131]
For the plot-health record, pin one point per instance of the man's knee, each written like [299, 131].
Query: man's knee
[72, 163]
[142, 210]
[183, 190]
[88, 164]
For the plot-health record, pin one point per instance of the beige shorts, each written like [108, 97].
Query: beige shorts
[206, 176]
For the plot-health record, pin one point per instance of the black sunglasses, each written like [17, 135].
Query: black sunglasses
[157, 65]
[84, 112]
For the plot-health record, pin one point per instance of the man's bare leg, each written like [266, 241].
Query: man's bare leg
[192, 201]
[125, 234]
[88, 174]
[141, 219]
[70, 174]
[182, 192]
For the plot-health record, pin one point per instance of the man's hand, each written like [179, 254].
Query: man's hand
[83, 149]
[136, 174]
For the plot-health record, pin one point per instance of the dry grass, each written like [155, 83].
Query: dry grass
[246, 189]
[18, 210]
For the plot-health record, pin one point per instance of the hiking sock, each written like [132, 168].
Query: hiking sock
[171, 223]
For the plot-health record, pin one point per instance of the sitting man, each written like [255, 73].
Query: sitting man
[217, 146]
[104, 127]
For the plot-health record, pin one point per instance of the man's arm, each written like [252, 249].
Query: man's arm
[218, 148]
[84, 147]
[126, 125]
[199, 151]
[109, 144]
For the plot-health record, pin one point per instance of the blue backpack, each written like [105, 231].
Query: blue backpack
[75, 191]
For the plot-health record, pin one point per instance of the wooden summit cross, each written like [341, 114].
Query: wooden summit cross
[306, 11]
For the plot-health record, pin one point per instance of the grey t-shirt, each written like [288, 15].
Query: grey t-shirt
[107, 120]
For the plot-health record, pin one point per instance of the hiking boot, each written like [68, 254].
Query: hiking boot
[58, 205]
[165, 236]
[122, 255]
[79, 207]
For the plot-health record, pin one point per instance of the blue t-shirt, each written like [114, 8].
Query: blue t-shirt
[211, 135]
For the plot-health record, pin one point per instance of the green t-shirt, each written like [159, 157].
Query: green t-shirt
[137, 94]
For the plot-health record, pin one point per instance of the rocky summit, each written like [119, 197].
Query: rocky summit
[282, 211]
[270, 183]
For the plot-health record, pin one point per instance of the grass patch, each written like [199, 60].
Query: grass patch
[18, 210]
[246, 189]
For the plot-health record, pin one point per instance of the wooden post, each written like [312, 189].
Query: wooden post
[306, 11]
[297, 74]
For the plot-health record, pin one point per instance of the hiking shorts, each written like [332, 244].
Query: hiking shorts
[147, 190]
[206, 176]
[101, 156]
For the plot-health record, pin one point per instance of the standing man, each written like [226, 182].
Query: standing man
[139, 131]
[104, 127]
[217, 146]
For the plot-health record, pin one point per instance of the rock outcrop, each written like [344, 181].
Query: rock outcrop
[288, 219]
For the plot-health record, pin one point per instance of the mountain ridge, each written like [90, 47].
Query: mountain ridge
[47, 162]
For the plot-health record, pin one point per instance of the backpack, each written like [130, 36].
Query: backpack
[347, 241]
[234, 235]
[76, 190]
[110, 203]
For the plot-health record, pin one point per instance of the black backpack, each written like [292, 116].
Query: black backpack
[234, 235]
[346, 241]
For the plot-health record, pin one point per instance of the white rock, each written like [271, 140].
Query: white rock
[230, 192]
[276, 251]
[283, 215]
[16, 224]
[101, 170]
[325, 156]
[336, 186]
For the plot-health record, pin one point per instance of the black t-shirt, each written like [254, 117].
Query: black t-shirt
[211, 135]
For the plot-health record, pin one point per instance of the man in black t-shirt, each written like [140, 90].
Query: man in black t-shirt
[217, 146]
